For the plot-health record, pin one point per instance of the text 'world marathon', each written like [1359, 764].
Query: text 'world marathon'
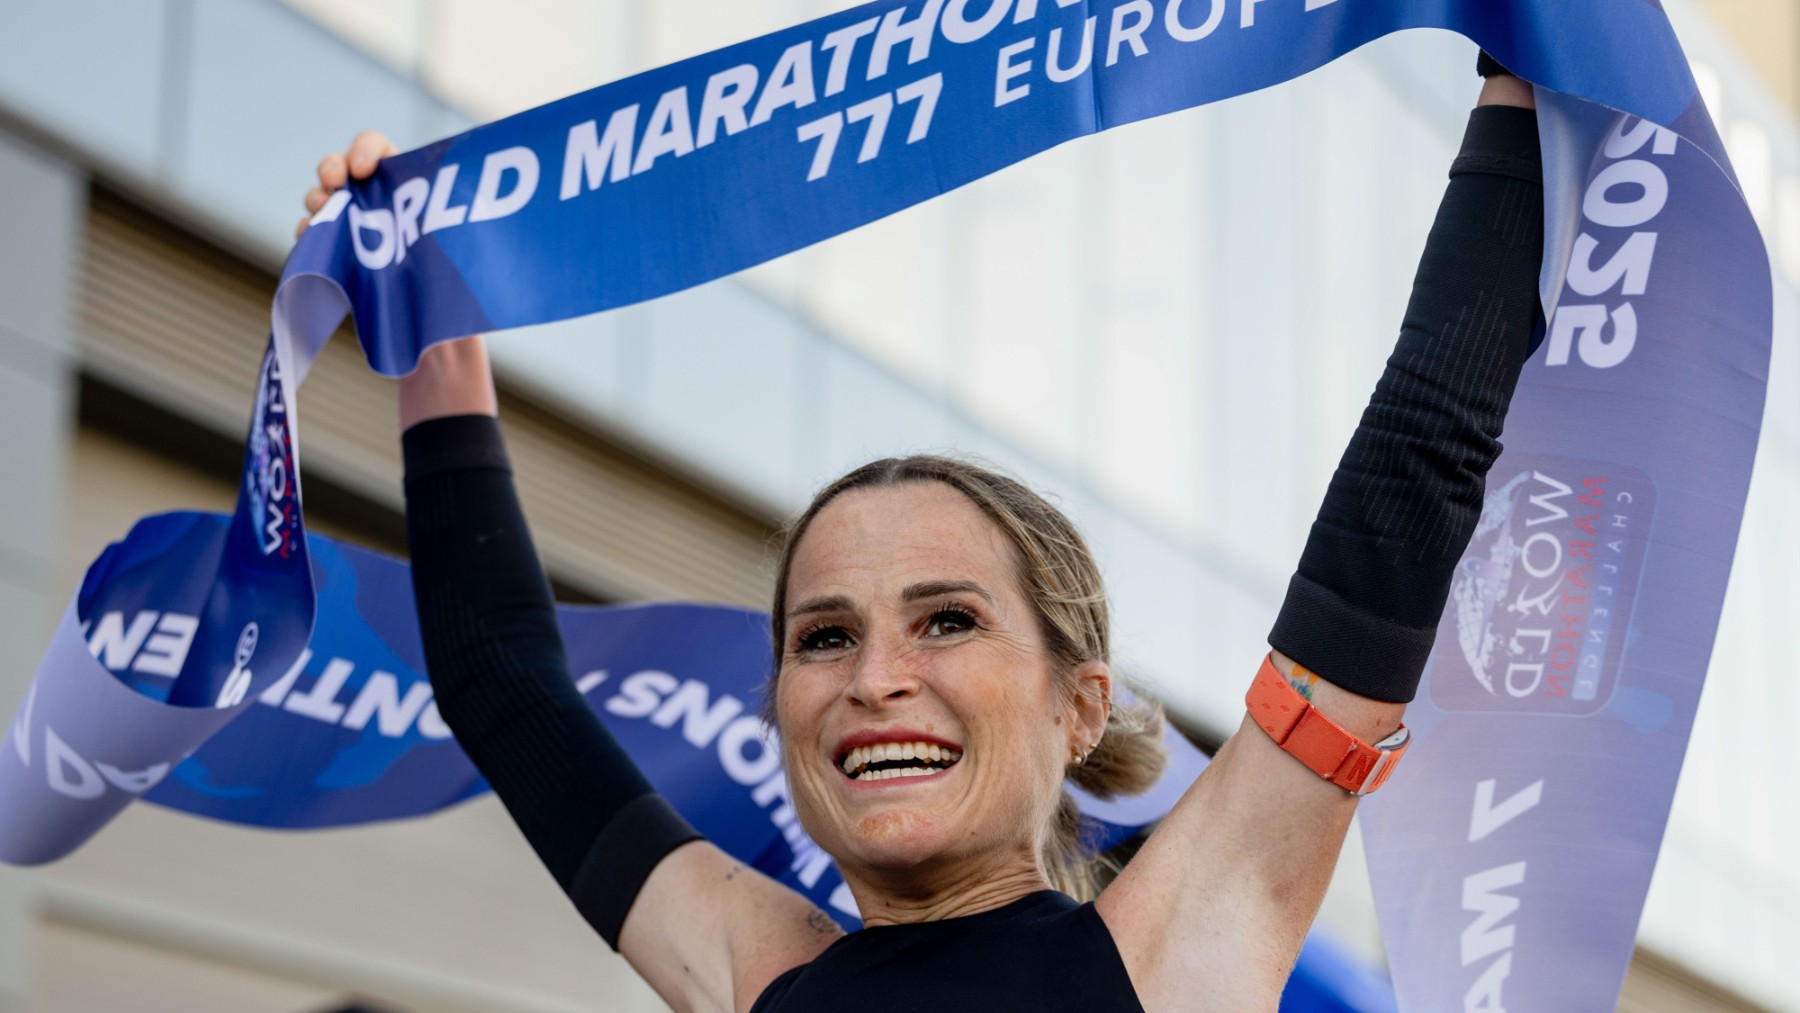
[688, 118]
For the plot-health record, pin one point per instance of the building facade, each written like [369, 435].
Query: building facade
[1113, 321]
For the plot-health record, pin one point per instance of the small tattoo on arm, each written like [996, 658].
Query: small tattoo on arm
[822, 923]
[1303, 681]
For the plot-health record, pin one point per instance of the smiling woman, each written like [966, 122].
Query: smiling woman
[942, 669]
[993, 564]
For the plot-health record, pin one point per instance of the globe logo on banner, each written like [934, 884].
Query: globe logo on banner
[1540, 609]
[237, 681]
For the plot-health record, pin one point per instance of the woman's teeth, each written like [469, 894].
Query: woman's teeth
[885, 760]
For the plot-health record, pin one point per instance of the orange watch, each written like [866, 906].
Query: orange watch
[1317, 741]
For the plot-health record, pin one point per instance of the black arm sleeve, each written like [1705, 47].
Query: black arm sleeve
[1363, 606]
[495, 654]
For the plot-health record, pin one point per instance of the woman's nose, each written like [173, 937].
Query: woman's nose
[883, 674]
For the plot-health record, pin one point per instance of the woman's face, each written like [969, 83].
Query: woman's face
[920, 720]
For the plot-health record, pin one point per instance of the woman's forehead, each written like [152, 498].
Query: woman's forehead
[882, 539]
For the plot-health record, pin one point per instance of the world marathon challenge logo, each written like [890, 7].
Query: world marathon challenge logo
[1540, 606]
[270, 483]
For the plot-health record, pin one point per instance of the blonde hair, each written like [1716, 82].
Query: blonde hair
[1062, 581]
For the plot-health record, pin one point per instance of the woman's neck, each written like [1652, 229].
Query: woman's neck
[890, 897]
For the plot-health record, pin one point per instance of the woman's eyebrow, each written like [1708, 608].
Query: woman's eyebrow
[833, 603]
[940, 588]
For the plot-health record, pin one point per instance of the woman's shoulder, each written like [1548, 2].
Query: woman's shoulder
[1044, 951]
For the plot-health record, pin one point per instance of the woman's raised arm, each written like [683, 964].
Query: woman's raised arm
[1226, 888]
[705, 933]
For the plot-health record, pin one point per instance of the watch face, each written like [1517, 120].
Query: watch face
[1539, 615]
[1401, 737]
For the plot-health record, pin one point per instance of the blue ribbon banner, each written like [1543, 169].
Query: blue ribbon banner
[1510, 855]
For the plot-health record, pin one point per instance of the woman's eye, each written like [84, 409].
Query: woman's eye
[945, 622]
[829, 638]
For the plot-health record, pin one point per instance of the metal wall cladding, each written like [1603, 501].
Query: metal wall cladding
[181, 324]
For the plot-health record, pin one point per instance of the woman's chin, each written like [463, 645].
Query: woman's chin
[896, 839]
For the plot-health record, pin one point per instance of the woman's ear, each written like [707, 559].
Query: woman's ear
[1092, 703]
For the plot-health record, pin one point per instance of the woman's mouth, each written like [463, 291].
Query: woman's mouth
[880, 761]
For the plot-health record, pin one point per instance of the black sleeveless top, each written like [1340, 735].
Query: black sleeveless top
[1043, 952]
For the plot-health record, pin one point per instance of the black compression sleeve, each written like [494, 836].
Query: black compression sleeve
[495, 654]
[1363, 606]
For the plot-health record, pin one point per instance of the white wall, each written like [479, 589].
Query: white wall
[1726, 897]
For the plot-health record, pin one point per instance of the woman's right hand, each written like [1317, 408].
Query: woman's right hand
[337, 169]
[452, 377]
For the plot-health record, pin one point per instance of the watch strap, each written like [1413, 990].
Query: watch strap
[1318, 742]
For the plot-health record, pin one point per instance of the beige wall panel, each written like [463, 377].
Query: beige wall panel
[80, 972]
[1657, 985]
[182, 325]
[113, 482]
[1768, 33]
[451, 912]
